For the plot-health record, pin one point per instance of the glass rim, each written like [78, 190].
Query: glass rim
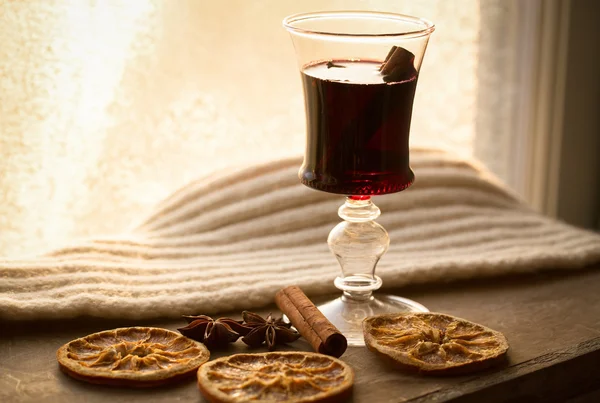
[428, 26]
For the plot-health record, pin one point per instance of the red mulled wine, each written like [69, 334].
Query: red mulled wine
[358, 122]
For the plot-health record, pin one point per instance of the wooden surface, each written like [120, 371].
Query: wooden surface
[552, 322]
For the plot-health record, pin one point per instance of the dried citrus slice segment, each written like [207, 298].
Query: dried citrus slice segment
[291, 377]
[434, 343]
[133, 356]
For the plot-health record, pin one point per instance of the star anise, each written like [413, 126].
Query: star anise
[213, 332]
[269, 330]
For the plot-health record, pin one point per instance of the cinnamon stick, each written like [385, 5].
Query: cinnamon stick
[398, 65]
[387, 58]
[324, 337]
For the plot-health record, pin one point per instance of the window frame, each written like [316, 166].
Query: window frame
[551, 142]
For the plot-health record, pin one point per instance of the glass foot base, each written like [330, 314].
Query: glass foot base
[347, 315]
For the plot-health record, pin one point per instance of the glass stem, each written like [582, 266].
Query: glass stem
[358, 243]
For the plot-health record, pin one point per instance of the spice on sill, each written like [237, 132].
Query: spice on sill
[270, 331]
[324, 337]
[213, 332]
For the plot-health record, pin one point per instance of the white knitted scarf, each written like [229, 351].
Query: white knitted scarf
[230, 241]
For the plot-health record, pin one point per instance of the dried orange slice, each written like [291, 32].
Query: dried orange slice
[434, 343]
[133, 356]
[291, 377]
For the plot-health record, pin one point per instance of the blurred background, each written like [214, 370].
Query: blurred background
[107, 107]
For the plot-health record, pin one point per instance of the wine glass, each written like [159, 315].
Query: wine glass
[359, 71]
